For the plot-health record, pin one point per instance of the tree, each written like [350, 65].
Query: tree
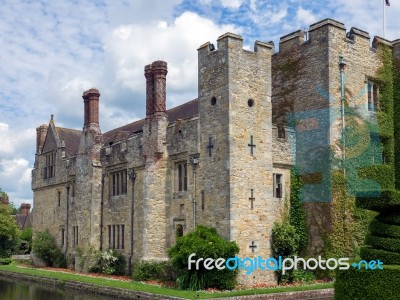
[205, 243]
[3, 193]
[45, 247]
[8, 232]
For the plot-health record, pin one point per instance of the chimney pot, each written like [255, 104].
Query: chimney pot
[160, 71]
[91, 103]
[41, 133]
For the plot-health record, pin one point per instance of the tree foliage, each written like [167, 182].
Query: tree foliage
[8, 232]
[44, 246]
[205, 243]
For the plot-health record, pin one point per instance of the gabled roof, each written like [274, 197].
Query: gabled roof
[72, 137]
[24, 221]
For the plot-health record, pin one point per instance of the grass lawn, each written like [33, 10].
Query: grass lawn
[137, 286]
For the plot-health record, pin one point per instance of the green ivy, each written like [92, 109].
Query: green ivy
[297, 214]
[384, 238]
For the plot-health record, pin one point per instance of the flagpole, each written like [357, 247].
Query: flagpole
[384, 18]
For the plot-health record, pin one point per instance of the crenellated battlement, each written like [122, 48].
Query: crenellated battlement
[230, 42]
[325, 32]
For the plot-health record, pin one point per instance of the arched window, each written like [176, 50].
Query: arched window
[179, 230]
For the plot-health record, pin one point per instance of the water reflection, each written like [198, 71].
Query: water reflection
[12, 290]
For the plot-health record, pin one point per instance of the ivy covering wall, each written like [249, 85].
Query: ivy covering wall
[383, 239]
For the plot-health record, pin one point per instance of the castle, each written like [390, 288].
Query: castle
[222, 160]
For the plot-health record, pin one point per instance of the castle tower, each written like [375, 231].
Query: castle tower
[88, 175]
[154, 152]
[235, 146]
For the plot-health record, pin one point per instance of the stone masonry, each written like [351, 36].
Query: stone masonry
[221, 160]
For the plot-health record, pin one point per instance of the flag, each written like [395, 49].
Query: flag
[387, 2]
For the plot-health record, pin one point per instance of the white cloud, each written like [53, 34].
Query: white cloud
[15, 141]
[305, 17]
[279, 16]
[231, 3]
[58, 49]
[130, 47]
[15, 179]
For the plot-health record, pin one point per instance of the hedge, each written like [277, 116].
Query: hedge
[385, 243]
[389, 219]
[354, 284]
[387, 257]
[379, 228]
[389, 200]
[383, 174]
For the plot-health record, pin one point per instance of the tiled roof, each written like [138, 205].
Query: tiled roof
[23, 221]
[72, 137]
[184, 111]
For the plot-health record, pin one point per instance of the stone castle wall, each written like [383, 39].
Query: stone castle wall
[307, 96]
[231, 149]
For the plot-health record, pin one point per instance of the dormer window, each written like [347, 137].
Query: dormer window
[50, 165]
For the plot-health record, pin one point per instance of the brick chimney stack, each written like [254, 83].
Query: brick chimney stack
[25, 209]
[91, 103]
[160, 95]
[41, 133]
[155, 88]
[148, 73]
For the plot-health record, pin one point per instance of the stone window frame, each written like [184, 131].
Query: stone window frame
[118, 181]
[181, 176]
[116, 236]
[281, 132]
[62, 231]
[58, 198]
[49, 170]
[278, 185]
[75, 236]
[179, 230]
[177, 222]
[372, 97]
[73, 190]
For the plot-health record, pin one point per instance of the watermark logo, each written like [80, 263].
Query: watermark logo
[283, 264]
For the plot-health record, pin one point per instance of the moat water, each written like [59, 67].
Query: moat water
[14, 290]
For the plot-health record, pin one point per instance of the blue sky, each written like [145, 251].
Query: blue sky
[51, 51]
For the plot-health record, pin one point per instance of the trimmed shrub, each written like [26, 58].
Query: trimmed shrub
[44, 246]
[354, 284]
[377, 242]
[153, 271]
[109, 262]
[385, 200]
[382, 229]
[5, 261]
[383, 174]
[387, 257]
[285, 243]
[285, 240]
[205, 242]
[389, 219]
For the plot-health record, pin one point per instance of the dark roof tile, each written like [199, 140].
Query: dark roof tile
[184, 111]
[72, 138]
